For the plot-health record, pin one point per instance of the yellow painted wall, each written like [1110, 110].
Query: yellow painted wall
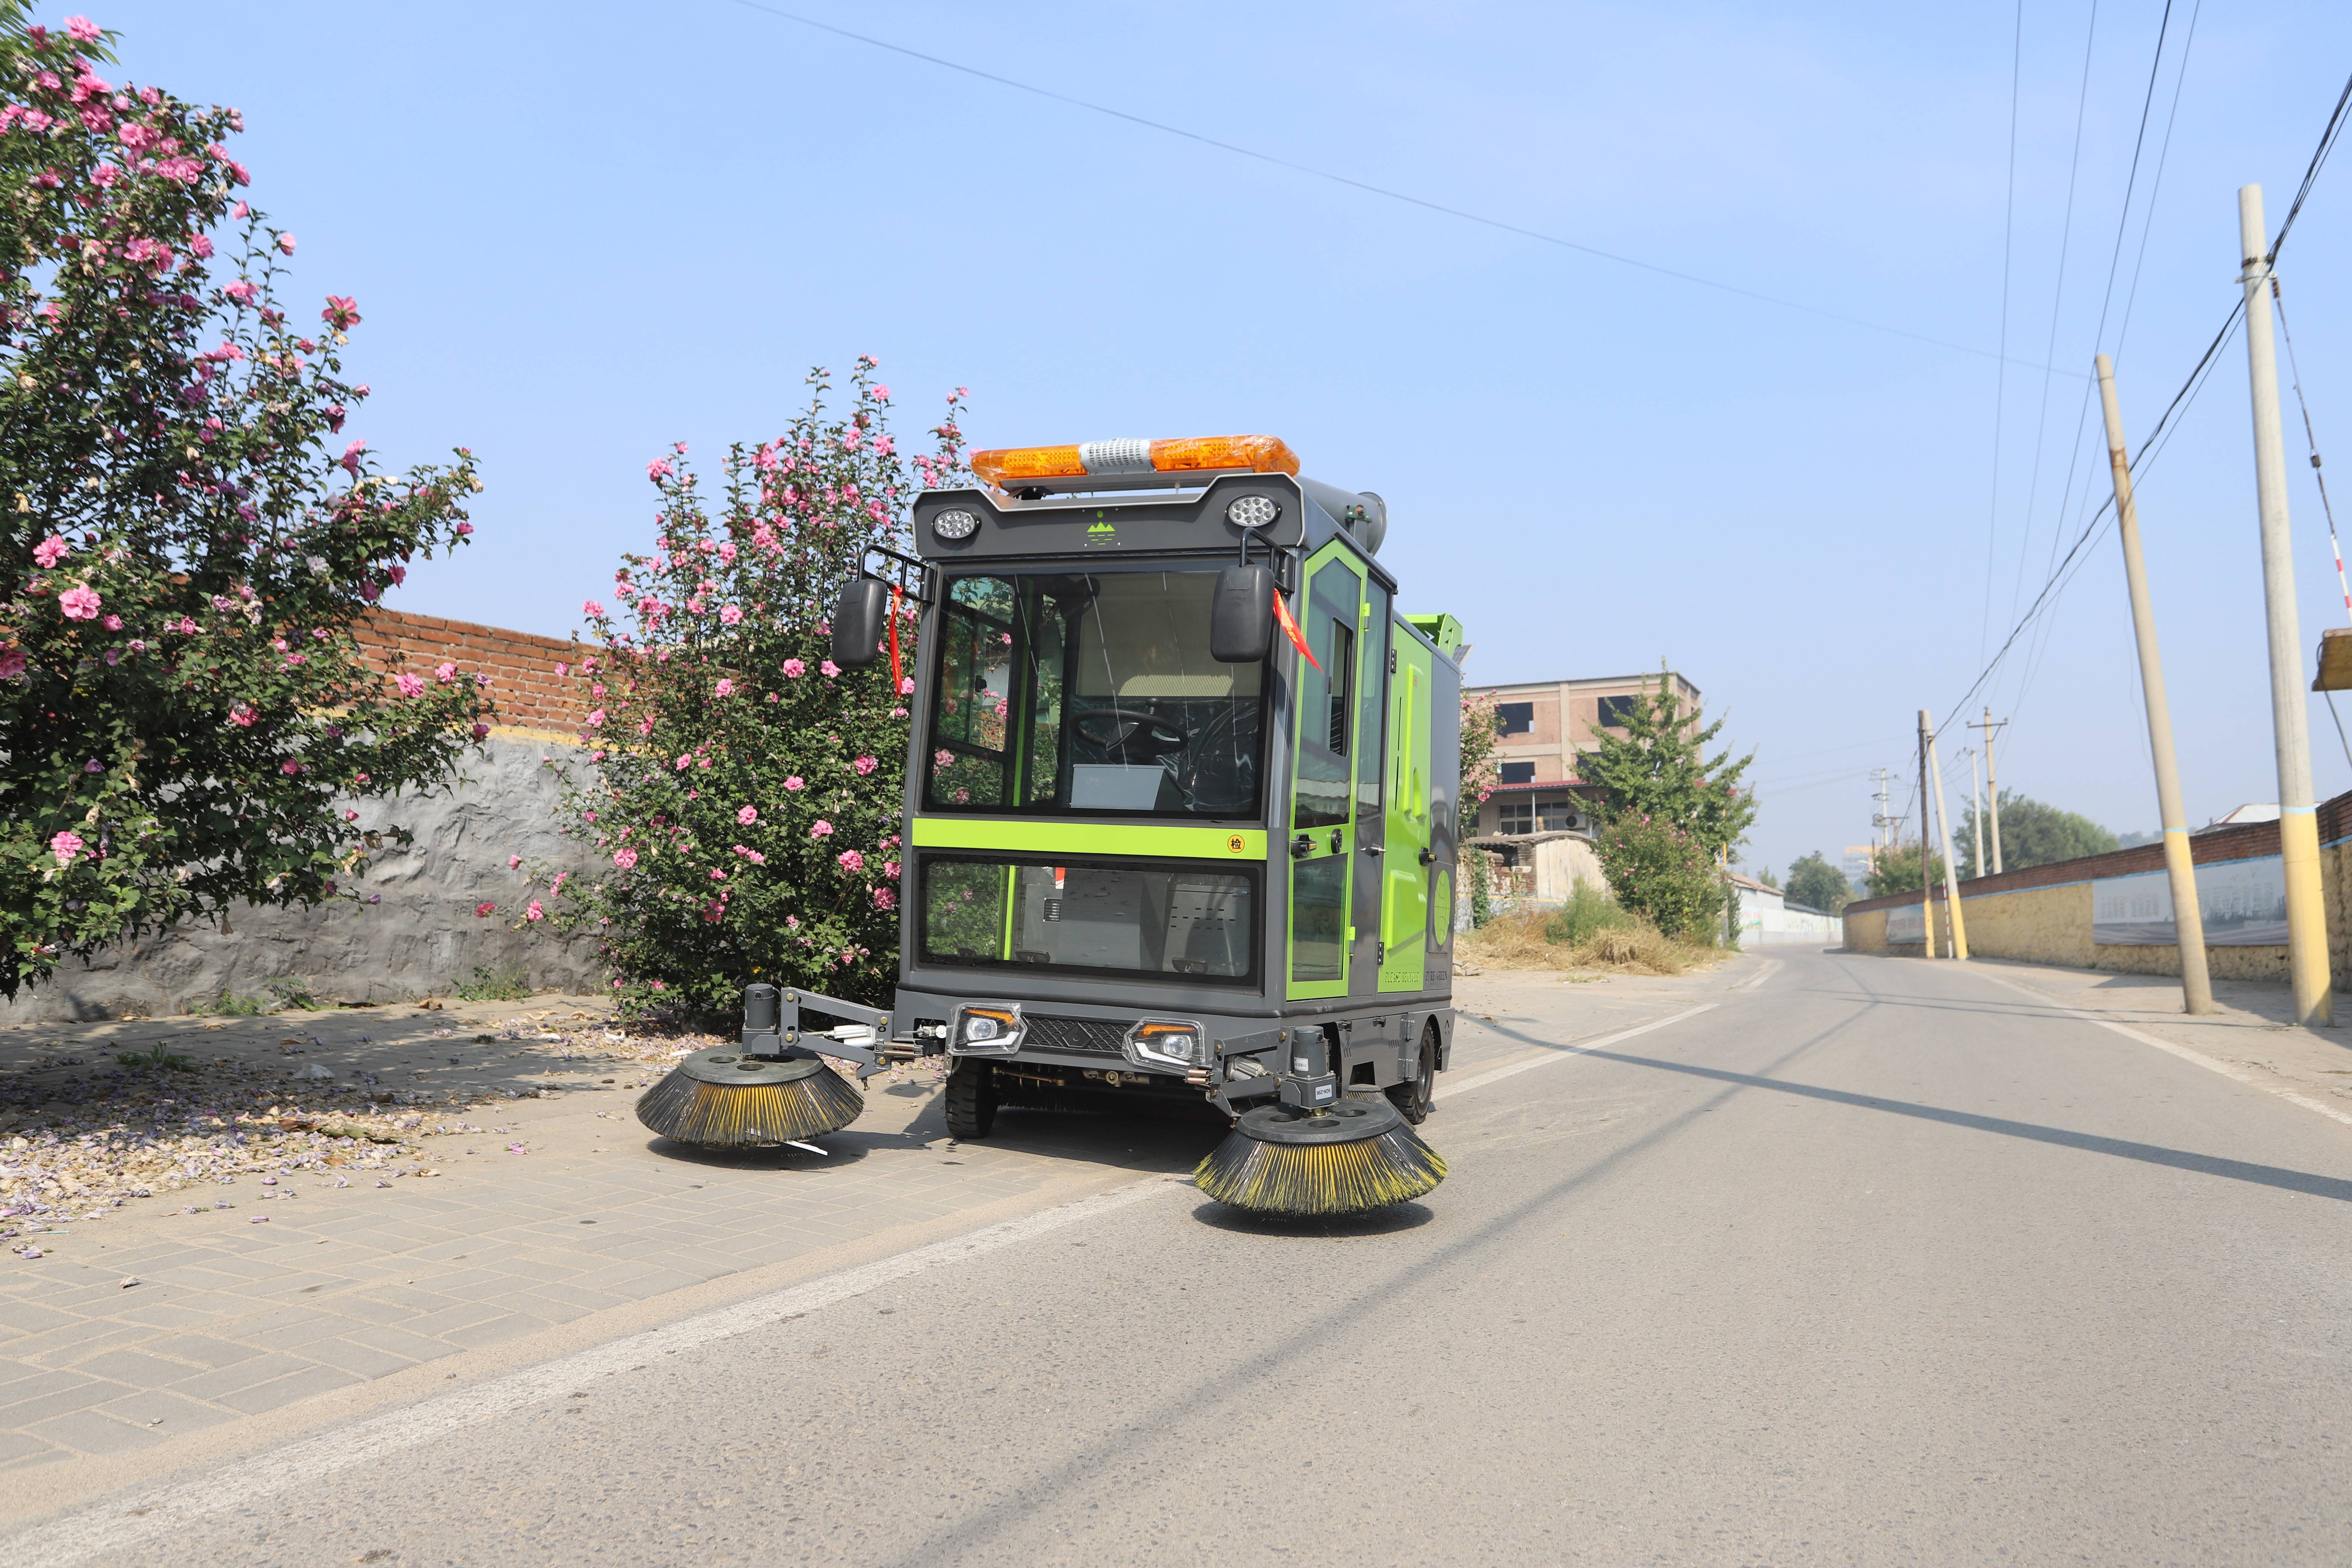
[2053, 925]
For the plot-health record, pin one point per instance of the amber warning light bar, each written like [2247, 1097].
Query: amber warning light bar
[1132, 464]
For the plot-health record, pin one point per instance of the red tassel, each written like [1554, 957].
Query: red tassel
[898, 678]
[1282, 614]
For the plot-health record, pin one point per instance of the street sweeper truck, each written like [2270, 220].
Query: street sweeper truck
[1182, 806]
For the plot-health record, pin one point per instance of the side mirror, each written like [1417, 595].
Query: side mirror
[857, 622]
[1241, 617]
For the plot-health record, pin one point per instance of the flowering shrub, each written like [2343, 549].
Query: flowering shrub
[1661, 872]
[746, 790]
[187, 538]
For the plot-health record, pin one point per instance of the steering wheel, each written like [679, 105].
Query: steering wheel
[1126, 736]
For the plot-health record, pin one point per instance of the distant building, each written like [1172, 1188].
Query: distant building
[1767, 918]
[1859, 860]
[1544, 726]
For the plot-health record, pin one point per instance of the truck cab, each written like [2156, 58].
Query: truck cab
[1134, 867]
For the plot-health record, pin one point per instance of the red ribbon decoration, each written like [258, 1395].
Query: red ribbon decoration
[898, 679]
[1299, 639]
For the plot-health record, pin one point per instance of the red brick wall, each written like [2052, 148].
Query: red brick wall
[523, 683]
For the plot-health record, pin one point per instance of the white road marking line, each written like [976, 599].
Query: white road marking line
[121, 1525]
[1564, 1053]
[2227, 1069]
[1759, 977]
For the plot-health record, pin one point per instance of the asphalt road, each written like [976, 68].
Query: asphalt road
[1876, 1262]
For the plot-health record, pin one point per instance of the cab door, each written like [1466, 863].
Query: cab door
[1322, 828]
[1409, 862]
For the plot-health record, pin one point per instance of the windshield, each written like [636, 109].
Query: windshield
[1136, 919]
[1078, 692]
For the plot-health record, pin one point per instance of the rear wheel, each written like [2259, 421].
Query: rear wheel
[972, 1098]
[1414, 1097]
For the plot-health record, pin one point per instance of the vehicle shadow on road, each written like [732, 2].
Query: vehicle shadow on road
[844, 1148]
[1389, 1221]
[2304, 1181]
[1164, 1140]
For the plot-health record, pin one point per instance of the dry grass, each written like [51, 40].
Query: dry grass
[1517, 941]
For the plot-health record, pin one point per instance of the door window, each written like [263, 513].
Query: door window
[1322, 800]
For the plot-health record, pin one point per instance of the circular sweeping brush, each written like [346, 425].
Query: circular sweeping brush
[1358, 1154]
[722, 1099]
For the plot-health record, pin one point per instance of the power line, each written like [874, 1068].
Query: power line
[2057, 299]
[2107, 297]
[2156, 186]
[2149, 449]
[1370, 189]
[2311, 174]
[2001, 375]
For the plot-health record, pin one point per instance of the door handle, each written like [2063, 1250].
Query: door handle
[1335, 841]
[1375, 849]
[1302, 846]
[1427, 858]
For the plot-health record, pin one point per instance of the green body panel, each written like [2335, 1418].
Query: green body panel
[1406, 888]
[1331, 854]
[1062, 837]
[1442, 630]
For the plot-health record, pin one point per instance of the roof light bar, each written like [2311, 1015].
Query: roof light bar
[1122, 464]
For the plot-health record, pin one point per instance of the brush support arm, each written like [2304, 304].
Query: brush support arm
[771, 1026]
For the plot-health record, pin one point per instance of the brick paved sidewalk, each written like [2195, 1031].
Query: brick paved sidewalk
[304, 1285]
[232, 1317]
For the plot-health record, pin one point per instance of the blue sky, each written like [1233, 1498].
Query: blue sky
[579, 233]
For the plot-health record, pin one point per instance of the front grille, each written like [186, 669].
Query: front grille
[1079, 1036]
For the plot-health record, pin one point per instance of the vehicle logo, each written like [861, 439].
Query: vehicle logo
[1101, 527]
[1236, 844]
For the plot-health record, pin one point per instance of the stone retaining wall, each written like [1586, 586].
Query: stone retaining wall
[422, 938]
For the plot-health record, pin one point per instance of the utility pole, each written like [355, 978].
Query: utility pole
[1976, 813]
[1944, 832]
[1992, 782]
[2187, 916]
[1926, 897]
[2306, 914]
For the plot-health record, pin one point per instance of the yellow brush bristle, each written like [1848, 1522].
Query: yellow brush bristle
[730, 1114]
[1331, 1178]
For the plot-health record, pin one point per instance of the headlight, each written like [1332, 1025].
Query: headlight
[985, 1031]
[956, 523]
[1252, 511]
[1167, 1043]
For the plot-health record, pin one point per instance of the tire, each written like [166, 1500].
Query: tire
[972, 1098]
[1416, 1097]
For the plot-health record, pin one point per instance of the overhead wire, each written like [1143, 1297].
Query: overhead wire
[2156, 186]
[2000, 374]
[1385, 192]
[2319, 476]
[2106, 305]
[2057, 300]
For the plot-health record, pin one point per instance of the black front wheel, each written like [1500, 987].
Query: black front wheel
[972, 1098]
[1416, 1095]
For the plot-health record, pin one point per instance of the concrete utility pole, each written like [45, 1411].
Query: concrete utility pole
[1882, 827]
[2306, 914]
[1926, 897]
[1992, 782]
[1944, 832]
[1976, 812]
[2187, 916]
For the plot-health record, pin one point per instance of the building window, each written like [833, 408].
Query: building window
[1519, 772]
[1614, 710]
[1558, 816]
[1517, 817]
[1514, 717]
